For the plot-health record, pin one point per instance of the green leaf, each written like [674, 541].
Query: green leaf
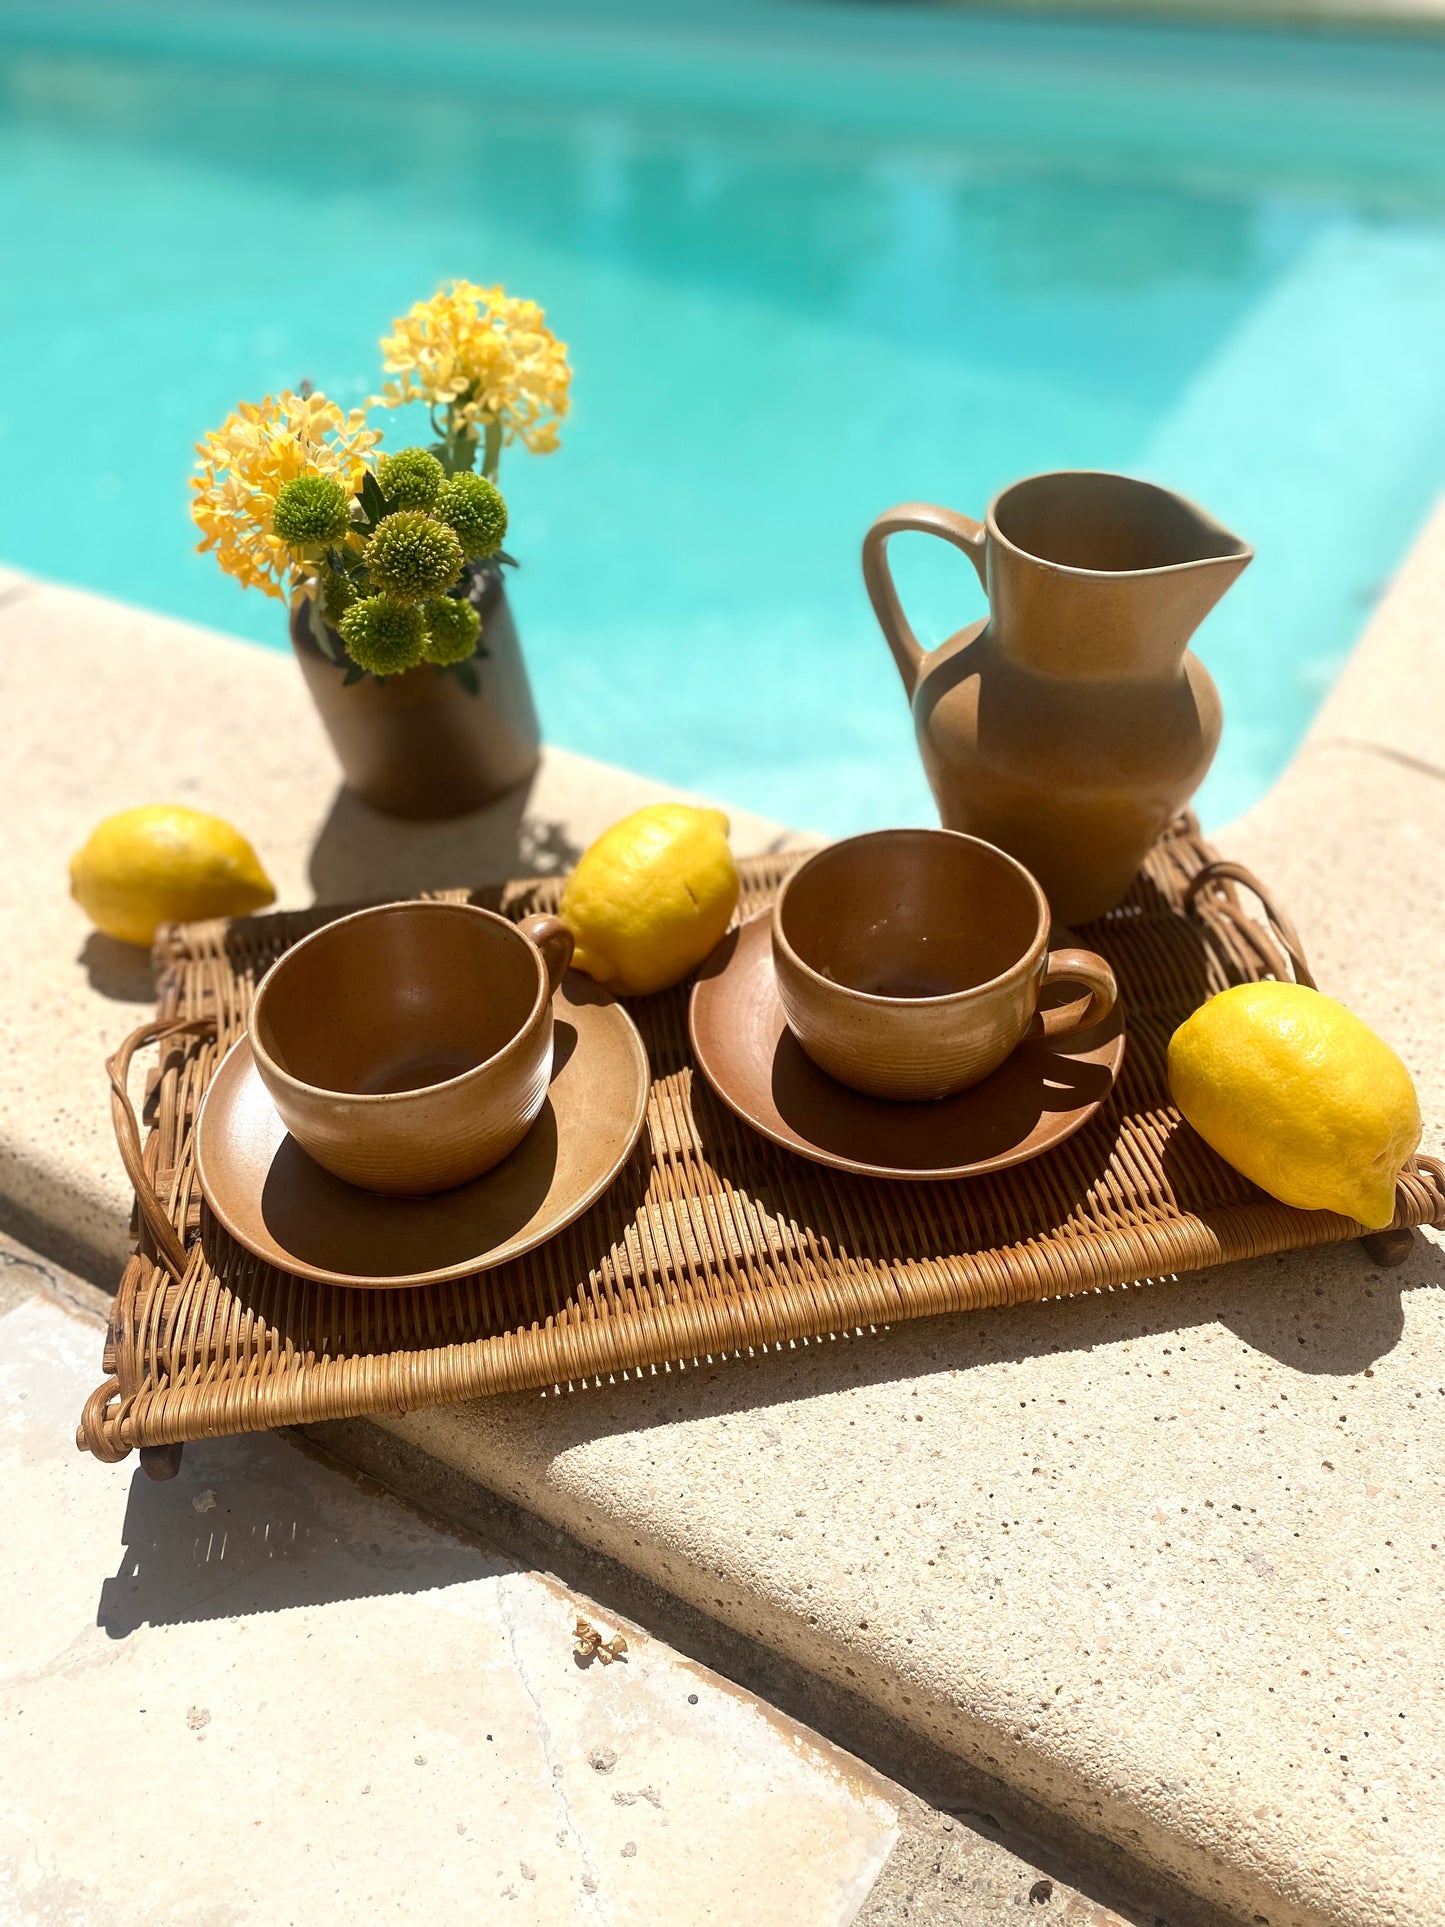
[353, 674]
[373, 502]
[320, 628]
[467, 677]
[507, 561]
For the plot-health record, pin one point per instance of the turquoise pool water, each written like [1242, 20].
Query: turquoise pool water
[810, 260]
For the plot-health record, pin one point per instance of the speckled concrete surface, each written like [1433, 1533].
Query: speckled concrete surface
[1170, 1559]
[106, 707]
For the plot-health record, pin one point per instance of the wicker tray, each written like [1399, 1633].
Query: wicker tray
[712, 1241]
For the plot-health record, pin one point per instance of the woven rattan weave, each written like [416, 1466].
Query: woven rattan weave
[712, 1241]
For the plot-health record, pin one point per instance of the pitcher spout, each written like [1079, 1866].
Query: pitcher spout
[1099, 575]
[1187, 594]
[1211, 558]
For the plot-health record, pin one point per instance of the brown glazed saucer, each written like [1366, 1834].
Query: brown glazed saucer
[1039, 1096]
[284, 1207]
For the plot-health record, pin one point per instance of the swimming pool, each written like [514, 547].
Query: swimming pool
[810, 259]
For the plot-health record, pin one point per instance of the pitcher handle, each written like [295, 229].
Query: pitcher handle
[925, 519]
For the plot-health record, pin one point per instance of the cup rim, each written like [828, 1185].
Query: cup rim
[404, 906]
[1240, 551]
[1022, 964]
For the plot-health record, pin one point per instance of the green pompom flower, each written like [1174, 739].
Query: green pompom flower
[384, 634]
[412, 556]
[311, 511]
[411, 478]
[452, 631]
[473, 506]
[337, 593]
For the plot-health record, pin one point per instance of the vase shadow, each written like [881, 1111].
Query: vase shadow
[360, 854]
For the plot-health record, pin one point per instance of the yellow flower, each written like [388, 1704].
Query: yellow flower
[247, 461]
[488, 359]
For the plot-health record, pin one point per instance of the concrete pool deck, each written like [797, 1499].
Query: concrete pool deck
[1164, 1563]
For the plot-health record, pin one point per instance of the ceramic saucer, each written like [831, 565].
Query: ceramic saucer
[1041, 1095]
[281, 1205]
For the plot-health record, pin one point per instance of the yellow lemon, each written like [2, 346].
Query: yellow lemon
[1300, 1095]
[651, 897]
[165, 864]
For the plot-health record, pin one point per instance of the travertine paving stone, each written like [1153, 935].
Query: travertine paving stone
[294, 1701]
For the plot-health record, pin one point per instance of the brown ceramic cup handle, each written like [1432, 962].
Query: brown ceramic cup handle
[1078, 967]
[922, 518]
[554, 940]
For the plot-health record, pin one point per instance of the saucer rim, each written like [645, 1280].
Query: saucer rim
[835, 1161]
[402, 1281]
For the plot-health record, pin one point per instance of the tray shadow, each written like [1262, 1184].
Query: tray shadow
[1328, 1311]
[1357, 1315]
[253, 1525]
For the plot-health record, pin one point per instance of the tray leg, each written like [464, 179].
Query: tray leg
[1389, 1248]
[161, 1461]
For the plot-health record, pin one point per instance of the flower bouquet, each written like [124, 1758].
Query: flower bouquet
[393, 564]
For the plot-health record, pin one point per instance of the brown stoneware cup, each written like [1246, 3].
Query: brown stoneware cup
[910, 963]
[409, 1048]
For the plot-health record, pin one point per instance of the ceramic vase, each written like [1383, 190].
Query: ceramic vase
[421, 744]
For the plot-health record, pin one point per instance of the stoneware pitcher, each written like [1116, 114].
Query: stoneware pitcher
[1072, 723]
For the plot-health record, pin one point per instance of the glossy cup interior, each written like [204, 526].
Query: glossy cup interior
[910, 914]
[398, 999]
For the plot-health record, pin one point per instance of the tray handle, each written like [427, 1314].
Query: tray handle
[169, 1249]
[1291, 950]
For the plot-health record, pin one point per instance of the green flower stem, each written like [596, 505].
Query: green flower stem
[492, 451]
